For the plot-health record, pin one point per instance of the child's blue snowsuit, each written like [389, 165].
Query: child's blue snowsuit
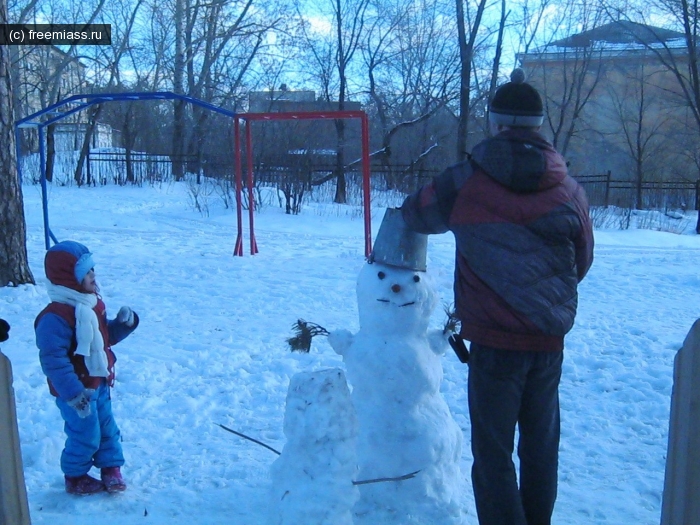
[94, 440]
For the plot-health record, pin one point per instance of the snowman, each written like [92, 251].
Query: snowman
[394, 367]
[312, 480]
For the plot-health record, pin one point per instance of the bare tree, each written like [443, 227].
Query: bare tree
[47, 74]
[568, 70]
[181, 10]
[499, 50]
[221, 53]
[639, 122]
[14, 264]
[410, 58]
[687, 70]
[210, 56]
[332, 55]
[681, 61]
[467, 46]
[122, 16]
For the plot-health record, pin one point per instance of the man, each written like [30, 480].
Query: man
[524, 241]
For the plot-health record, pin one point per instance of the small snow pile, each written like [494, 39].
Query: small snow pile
[312, 480]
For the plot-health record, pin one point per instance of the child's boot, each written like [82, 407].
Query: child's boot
[83, 485]
[112, 479]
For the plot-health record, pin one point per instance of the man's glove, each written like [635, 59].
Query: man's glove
[4, 330]
[81, 402]
[126, 316]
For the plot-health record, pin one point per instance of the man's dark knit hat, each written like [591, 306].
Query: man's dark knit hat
[516, 103]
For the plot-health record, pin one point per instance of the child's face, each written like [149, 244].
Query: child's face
[89, 284]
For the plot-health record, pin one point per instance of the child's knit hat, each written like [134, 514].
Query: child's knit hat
[516, 103]
[67, 263]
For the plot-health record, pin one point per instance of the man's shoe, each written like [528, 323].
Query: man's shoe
[112, 479]
[83, 485]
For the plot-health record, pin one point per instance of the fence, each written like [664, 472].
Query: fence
[115, 166]
[602, 190]
[119, 168]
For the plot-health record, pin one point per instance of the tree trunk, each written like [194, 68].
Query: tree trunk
[341, 183]
[466, 55]
[94, 112]
[465, 75]
[178, 88]
[639, 205]
[14, 264]
[129, 165]
[130, 134]
[50, 152]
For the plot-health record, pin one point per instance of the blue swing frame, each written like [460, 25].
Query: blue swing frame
[85, 101]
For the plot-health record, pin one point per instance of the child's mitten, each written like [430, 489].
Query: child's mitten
[126, 316]
[81, 402]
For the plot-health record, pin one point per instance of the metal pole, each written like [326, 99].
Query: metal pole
[238, 248]
[18, 152]
[251, 200]
[42, 180]
[366, 184]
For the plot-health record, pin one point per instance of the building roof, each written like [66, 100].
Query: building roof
[621, 32]
[619, 36]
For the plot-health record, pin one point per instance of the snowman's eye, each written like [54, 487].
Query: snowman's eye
[416, 278]
[381, 275]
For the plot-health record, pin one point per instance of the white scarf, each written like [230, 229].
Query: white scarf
[87, 327]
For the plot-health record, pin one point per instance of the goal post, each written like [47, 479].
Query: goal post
[301, 115]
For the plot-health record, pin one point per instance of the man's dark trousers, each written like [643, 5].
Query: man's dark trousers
[508, 387]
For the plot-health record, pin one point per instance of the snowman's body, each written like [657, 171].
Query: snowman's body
[394, 367]
[312, 478]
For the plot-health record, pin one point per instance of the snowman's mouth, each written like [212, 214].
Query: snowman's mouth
[400, 306]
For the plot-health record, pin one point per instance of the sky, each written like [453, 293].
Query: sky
[211, 349]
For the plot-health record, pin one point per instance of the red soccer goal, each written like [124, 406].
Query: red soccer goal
[304, 115]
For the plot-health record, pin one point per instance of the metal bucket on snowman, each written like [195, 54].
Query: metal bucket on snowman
[397, 245]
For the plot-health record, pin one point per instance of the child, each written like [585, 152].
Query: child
[74, 340]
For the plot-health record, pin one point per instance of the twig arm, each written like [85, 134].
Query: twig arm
[382, 480]
[250, 439]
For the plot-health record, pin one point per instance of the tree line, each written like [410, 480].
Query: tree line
[423, 70]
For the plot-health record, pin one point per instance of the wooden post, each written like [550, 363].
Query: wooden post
[681, 498]
[14, 509]
[607, 188]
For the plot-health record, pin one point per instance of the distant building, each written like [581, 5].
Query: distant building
[284, 100]
[308, 143]
[632, 116]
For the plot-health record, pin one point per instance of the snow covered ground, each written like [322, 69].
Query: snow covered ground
[211, 348]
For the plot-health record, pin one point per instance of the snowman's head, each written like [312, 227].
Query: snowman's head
[393, 299]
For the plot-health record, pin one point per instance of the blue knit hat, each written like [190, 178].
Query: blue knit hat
[66, 261]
